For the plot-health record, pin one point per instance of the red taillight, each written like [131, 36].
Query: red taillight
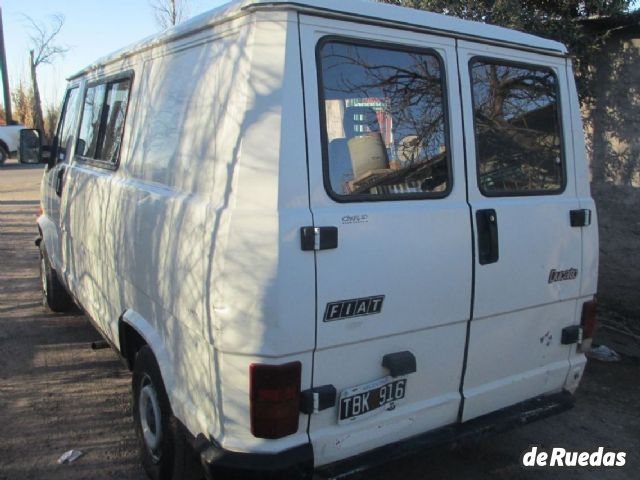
[275, 399]
[588, 321]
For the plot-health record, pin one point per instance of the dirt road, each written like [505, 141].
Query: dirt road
[57, 394]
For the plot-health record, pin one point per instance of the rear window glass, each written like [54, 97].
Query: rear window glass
[384, 121]
[517, 129]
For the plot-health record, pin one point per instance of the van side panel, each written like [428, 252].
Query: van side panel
[182, 158]
[262, 291]
[153, 216]
[196, 233]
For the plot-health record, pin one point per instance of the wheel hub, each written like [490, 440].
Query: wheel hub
[43, 279]
[150, 417]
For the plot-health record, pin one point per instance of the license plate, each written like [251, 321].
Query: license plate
[371, 398]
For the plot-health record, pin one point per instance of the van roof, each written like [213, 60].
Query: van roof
[359, 10]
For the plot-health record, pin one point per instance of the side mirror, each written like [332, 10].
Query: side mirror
[30, 150]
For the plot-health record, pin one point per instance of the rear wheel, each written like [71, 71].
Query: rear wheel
[164, 451]
[54, 295]
[151, 414]
[3, 154]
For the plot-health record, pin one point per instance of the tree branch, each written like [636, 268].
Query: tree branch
[43, 40]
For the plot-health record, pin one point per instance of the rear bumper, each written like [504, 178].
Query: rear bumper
[294, 463]
[298, 462]
[493, 423]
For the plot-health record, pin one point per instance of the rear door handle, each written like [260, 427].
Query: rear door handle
[488, 244]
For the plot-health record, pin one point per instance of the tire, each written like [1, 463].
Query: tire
[164, 451]
[54, 294]
[3, 154]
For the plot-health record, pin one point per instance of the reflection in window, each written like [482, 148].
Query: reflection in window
[66, 125]
[102, 124]
[385, 120]
[90, 125]
[114, 111]
[517, 128]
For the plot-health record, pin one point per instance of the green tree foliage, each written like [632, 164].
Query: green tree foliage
[556, 19]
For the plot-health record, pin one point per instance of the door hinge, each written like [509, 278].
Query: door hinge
[580, 218]
[317, 399]
[318, 238]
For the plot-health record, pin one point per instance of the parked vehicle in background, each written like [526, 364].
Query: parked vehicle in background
[320, 229]
[9, 140]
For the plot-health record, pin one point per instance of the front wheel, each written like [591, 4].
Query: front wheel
[54, 294]
[3, 154]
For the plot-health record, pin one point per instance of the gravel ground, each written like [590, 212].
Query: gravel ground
[57, 394]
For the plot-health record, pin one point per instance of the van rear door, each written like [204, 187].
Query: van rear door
[386, 174]
[522, 191]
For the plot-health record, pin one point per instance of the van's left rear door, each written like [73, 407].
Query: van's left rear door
[399, 281]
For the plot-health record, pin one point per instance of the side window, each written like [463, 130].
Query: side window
[102, 124]
[517, 129]
[90, 123]
[385, 126]
[114, 110]
[68, 118]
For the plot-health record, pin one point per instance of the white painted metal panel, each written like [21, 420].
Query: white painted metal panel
[518, 314]
[415, 252]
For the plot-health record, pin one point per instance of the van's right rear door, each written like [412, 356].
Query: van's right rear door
[522, 191]
[398, 284]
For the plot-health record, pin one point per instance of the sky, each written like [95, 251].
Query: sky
[92, 29]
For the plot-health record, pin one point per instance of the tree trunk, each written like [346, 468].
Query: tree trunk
[38, 121]
[174, 13]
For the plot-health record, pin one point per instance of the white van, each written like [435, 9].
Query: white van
[325, 232]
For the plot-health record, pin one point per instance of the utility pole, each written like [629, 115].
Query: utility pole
[5, 75]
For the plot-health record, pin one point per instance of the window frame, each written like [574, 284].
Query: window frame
[563, 153]
[367, 197]
[96, 162]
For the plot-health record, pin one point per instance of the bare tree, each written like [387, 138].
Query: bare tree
[44, 51]
[169, 13]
